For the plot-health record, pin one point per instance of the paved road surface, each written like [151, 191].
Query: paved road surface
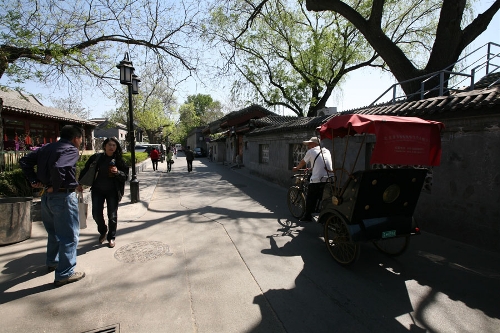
[216, 250]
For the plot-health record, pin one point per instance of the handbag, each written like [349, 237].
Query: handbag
[82, 211]
[91, 174]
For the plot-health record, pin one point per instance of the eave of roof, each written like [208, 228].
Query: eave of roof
[460, 104]
[297, 123]
[17, 103]
[241, 116]
[474, 102]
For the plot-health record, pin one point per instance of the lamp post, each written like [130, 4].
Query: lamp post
[128, 78]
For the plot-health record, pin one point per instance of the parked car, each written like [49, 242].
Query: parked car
[140, 148]
[200, 152]
[147, 147]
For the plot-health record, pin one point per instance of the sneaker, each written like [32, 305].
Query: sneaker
[111, 243]
[102, 238]
[76, 276]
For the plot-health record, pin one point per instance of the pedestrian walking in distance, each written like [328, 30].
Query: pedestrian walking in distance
[189, 158]
[155, 156]
[55, 173]
[170, 161]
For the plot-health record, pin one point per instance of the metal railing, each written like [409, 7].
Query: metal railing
[458, 80]
[9, 160]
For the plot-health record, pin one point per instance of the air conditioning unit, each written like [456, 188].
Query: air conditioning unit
[327, 111]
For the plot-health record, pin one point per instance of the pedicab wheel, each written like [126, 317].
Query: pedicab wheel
[392, 246]
[296, 201]
[339, 242]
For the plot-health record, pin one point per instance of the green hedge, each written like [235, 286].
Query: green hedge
[14, 184]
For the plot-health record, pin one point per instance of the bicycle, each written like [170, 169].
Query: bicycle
[297, 194]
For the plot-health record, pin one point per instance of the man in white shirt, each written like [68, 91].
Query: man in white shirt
[320, 160]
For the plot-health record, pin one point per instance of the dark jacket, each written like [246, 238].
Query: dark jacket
[55, 164]
[189, 155]
[119, 179]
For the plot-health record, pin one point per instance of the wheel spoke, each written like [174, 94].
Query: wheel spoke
[296, 201]
[339, 242]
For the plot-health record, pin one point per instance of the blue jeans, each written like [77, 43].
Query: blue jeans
[111, 198]
[60, 218]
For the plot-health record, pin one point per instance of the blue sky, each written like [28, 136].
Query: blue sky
[360, 89]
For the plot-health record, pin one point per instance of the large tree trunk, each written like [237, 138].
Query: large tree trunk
[450, 40]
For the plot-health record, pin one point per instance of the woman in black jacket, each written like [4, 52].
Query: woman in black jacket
[108, 186]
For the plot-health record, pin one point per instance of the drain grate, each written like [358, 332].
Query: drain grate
[142, 251]
[108, 329]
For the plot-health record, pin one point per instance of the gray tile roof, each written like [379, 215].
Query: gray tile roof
[486, 81]
[466, 103]
[295, 123]
[221, 124]
[460, 104]
[25, 105]
[271, 120]
[239, 113]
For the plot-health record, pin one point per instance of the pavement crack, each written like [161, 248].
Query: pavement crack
[188, 280]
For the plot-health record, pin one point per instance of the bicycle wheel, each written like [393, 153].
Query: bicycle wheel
[338, 241]
[392, 246]
[296, 201]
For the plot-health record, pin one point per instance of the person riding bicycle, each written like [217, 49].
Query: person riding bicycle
[320, 160]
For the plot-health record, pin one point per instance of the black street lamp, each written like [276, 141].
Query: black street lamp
[128, 78]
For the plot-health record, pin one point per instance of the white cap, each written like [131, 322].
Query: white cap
[313, 139]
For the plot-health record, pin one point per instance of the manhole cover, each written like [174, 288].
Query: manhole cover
[142, 251]
[108, 329]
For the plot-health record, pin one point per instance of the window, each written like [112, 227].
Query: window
[297, 153]
[264, 154]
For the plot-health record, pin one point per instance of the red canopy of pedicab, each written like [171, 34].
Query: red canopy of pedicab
[400, 140]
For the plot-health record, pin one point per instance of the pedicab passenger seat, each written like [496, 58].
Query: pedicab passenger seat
[378, 201]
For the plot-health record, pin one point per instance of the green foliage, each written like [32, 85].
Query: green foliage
[14, 184]
[188, 119]
[198, 110]
[206, 108]
[149, 114]
[288, 56]
[58, 41]
[200, 102]
[139, 157]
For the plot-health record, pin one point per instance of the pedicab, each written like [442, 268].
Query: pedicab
[376, 204]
